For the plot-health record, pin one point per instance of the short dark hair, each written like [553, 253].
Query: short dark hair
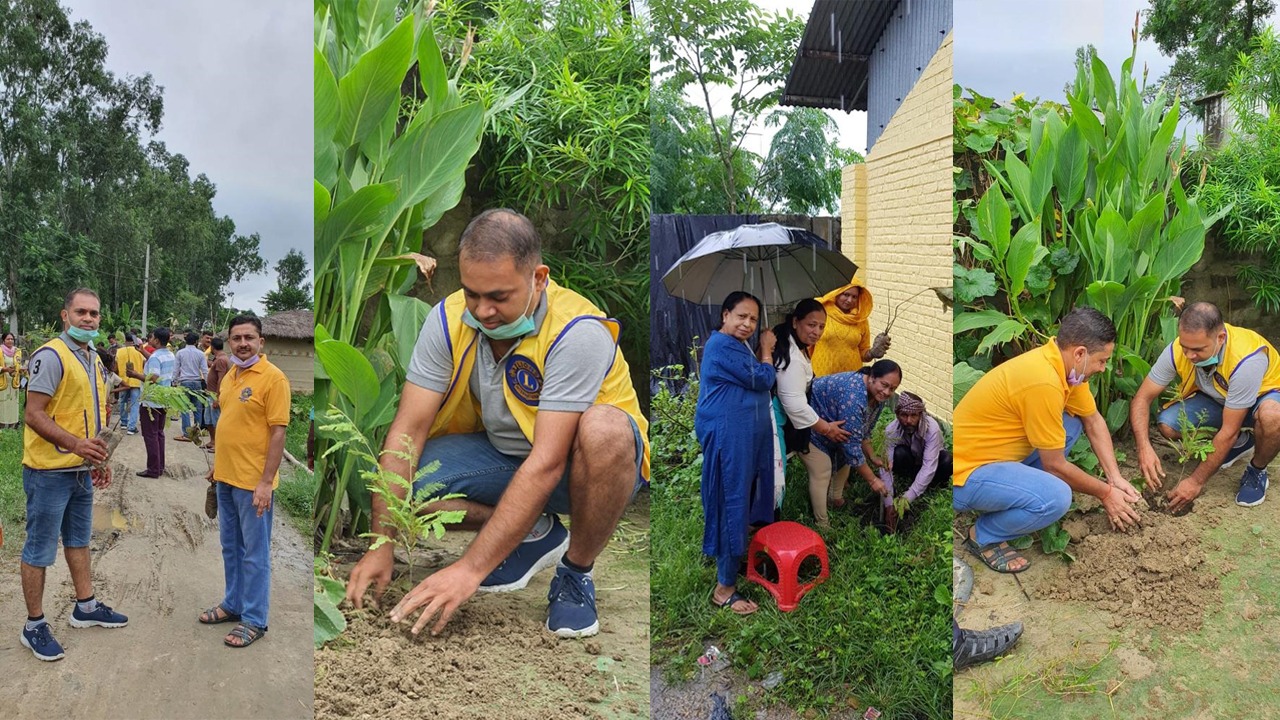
[162, 335]
[245, 320]
[216, 343]
[499, 233]
[736, 297]
[128, 337]
[206, 333]
[1088, 327]
[1202, 317]
[66, 302]
[192, 338]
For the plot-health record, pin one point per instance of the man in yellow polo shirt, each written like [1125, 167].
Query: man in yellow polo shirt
[1013, 431]
[254, 397]
[1228, 378]
[129, 359]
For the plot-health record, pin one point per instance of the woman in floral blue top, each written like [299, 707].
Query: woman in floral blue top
[857, 399]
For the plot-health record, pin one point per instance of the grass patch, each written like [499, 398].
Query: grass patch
[295, 494]
[295, 436]
[13, 501]
[875, 633]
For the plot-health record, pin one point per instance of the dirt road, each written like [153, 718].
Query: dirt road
[157, 559]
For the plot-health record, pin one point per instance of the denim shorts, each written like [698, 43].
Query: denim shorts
[472, 466]
[58, 502]
[1198, 402]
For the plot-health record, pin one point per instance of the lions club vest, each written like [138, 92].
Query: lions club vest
[79, 406]
[522, 386]
[1241, 345]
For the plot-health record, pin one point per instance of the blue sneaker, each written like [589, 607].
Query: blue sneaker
[528, 559]
[1240, 450]
[572, 609]
[41, 643]
[1253, 487]
[102, 616]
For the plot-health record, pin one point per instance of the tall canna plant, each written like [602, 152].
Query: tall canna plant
[1091, 211]
[393, 139]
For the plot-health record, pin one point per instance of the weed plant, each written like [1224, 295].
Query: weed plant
[875, 633]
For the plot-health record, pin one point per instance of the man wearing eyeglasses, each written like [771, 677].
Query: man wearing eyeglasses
[1228, 378]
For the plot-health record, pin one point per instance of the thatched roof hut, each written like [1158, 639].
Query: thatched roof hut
[290, 345]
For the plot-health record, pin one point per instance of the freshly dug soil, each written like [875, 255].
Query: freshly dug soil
[1151, 575]
[495, 659]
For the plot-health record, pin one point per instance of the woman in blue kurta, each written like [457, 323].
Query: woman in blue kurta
[857, 399]
[733, 426]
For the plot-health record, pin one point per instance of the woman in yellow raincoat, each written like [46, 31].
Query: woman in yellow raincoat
[10, 378]
[846, 343]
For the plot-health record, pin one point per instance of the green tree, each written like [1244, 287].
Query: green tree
[802, 172]
[686, 170]
[731, 46]
[1204, 37]
[293, 284]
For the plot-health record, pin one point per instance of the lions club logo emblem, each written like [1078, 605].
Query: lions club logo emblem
[245, 394]
[524, 379]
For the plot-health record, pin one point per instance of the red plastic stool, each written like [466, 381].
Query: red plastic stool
[788, 544]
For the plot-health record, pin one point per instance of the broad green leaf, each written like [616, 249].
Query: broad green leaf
[1111, 238]
[1017, 177]
[322, 201]
[1090, 127]
[407, 317]
[429, 157]
[963, 377]
[326, 121]
[1105, 295]
[359, 215]
[373, 85]
[994, 222]
[328, 622]
[351, 373]
[1104, 88]
[972, 320]
[942, 594]
[1157, 160]
[980, 143]
[973, 283]
[1183, 246]
[1004, 332]
[1069, 171]
[1144, 226]
[431, 69]
[1024, 249]
[1042, 164]
[375, 16]
[1117, 414]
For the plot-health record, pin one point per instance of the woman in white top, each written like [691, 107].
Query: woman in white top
[797, 334]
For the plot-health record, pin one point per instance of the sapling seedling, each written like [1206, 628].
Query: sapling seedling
[409, 516]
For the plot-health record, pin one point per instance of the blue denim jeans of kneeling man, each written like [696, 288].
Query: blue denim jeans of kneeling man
[1014, 499]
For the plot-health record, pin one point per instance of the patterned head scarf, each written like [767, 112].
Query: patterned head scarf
[910, 404]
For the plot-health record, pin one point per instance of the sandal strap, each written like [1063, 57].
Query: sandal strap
[997, 556]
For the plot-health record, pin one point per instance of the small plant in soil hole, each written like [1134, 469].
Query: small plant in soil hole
[1195, 443]
[409, 516]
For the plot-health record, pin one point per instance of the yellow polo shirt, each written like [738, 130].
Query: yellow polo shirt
[124, 356]
[1015, 409]
[253, 400]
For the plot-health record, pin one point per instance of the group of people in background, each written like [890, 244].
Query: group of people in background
[805, 389]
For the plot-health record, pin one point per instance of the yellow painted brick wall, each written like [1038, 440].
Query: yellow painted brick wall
[901, 210]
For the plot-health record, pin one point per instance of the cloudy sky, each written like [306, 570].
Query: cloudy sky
[237, 84]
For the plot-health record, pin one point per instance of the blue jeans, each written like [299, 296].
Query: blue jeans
[246, 554]
[1198, 402]
[58, 503]
[1014, 499]
[470, 465]
[129, 408]
[197, 399]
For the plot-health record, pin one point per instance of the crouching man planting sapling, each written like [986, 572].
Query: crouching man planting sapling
[518, 389]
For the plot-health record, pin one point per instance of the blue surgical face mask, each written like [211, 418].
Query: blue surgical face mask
[81, 335]
[514, 329]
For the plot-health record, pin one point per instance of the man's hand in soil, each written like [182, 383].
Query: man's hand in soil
[1119, 511]
[442, 593]
[92, 449]
[1185, 491]
[1152, 469]
[374, 567]
[101, 478]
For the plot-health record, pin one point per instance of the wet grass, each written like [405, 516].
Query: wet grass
[874, 634]
[295, 436]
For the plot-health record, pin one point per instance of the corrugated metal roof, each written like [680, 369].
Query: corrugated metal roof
[831, 67]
